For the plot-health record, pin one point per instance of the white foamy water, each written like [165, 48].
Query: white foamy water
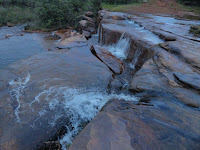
[78, 105]
[120, 49]
[17, 87]
[136, 57]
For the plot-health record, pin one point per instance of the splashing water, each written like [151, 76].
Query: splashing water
[17, 87]
[120, 49]
[136, 57]
[78, 105]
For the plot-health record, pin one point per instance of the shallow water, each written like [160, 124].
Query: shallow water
[50, 90]
[19, 45]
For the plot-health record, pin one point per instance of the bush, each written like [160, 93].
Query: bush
[191, 2]
[55, 15]
[195, 29]
[16, 14]
[120, 1]
[51, 14]
[62, 13]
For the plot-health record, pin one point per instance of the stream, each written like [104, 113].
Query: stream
[137, 85]
[38, 98]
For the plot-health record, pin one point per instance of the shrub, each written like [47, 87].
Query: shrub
[50, 14]
[120, 1]
[191, 2]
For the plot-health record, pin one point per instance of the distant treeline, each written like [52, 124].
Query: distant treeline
[120, 1]
[191, 2]
[47, 13]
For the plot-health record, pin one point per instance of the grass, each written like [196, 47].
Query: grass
[119, 8]
[16, 15]
[195, 9]
[195, 30]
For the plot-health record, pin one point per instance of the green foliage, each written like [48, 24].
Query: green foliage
[53, 15]
[50, 14]
[191, 2]
[120, 1]
[195, 29]
[16, 15]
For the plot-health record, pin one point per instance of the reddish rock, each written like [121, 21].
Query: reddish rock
[166, 81]
[150, 123]
[114, 64]
[74, 41]
[63, 33]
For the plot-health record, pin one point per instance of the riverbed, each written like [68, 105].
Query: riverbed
[17, 44]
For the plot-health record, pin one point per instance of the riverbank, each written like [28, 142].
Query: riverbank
[170, 7]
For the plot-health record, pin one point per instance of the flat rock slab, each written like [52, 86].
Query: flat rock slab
[191, 80]
[39, 81]
[146, 124]
[187, 49]
[77, 39]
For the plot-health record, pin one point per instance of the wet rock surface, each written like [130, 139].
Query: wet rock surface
[164, 59]
[143, 75]
[31, 109]
[114, 64]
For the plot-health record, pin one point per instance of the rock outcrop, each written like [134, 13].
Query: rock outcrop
[145, 70]
[165, 76]
[87, 24]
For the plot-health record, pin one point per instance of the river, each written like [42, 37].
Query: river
[45, 91]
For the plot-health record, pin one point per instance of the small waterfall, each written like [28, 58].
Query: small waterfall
[136, 57]
[79, 105]
[100, 31]
[120, 49]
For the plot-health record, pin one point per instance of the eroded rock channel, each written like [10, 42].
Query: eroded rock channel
[141, 72]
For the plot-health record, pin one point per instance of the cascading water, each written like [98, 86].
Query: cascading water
[57, 103]
[120, 49]
[136, 57]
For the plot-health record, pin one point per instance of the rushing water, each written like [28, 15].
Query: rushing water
[120, 49]
[78, 105]
[16, 45]
[50, 89]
